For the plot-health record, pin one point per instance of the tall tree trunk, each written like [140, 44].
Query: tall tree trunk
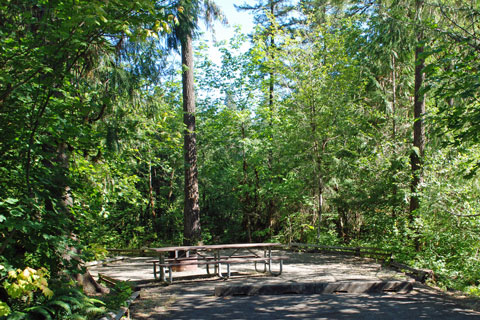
[394, 99]
[191, 210]
[394, 123]
[317, 178]
[170, 187]
[271, 88]
[418, 125]
[61, 194]
[150, 193]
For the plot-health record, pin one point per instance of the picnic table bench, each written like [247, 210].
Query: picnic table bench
[216, 255]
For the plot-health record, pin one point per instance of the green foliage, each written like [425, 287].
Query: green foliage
[82, 127]
[118, 296]
[454, 72]
[22, 285]
[31, 297]
[449, 220]
[228, 143]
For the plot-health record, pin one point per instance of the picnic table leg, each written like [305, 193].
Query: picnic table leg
[270, 264]
[269, 256]
[264, 267]
[275, 273]
[215, 270]
[155, 270]
[162, 274]
[265, 255]
[216, 255]
[220, 271]
[161, 260]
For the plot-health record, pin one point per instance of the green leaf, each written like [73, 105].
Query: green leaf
[4, 309]
[11, 201]
[44, 311]
[65, 306]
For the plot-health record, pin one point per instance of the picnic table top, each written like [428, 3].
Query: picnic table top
[217, 247]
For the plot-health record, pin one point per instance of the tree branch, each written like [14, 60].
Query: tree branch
[463, 215]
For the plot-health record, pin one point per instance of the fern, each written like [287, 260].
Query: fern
[62, 304]
[43, 310]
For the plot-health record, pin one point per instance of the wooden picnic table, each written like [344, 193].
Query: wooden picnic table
[216, 255]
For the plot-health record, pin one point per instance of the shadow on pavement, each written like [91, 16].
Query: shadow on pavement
[328, 306]
[192, 296]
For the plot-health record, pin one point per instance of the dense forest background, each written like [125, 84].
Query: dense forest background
[346, 122]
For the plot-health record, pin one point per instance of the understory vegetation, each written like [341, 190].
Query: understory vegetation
[344, 123]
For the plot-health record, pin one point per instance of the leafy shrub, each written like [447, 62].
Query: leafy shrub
[118, 296]
[31, 297]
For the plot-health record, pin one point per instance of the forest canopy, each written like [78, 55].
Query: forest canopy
[345, 123]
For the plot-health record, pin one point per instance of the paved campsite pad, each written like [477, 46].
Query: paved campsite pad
[327, 306]
[300, 267]
[191, 296]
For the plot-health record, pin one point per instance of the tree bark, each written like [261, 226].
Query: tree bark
[191, 210]
[416, 158]
[61, 192]
[271, 88]
[150, 193]
[394, 99]
[394, 121]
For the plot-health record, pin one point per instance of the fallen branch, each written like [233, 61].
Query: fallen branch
[418, 274]
[107, 279]
[358, 251]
